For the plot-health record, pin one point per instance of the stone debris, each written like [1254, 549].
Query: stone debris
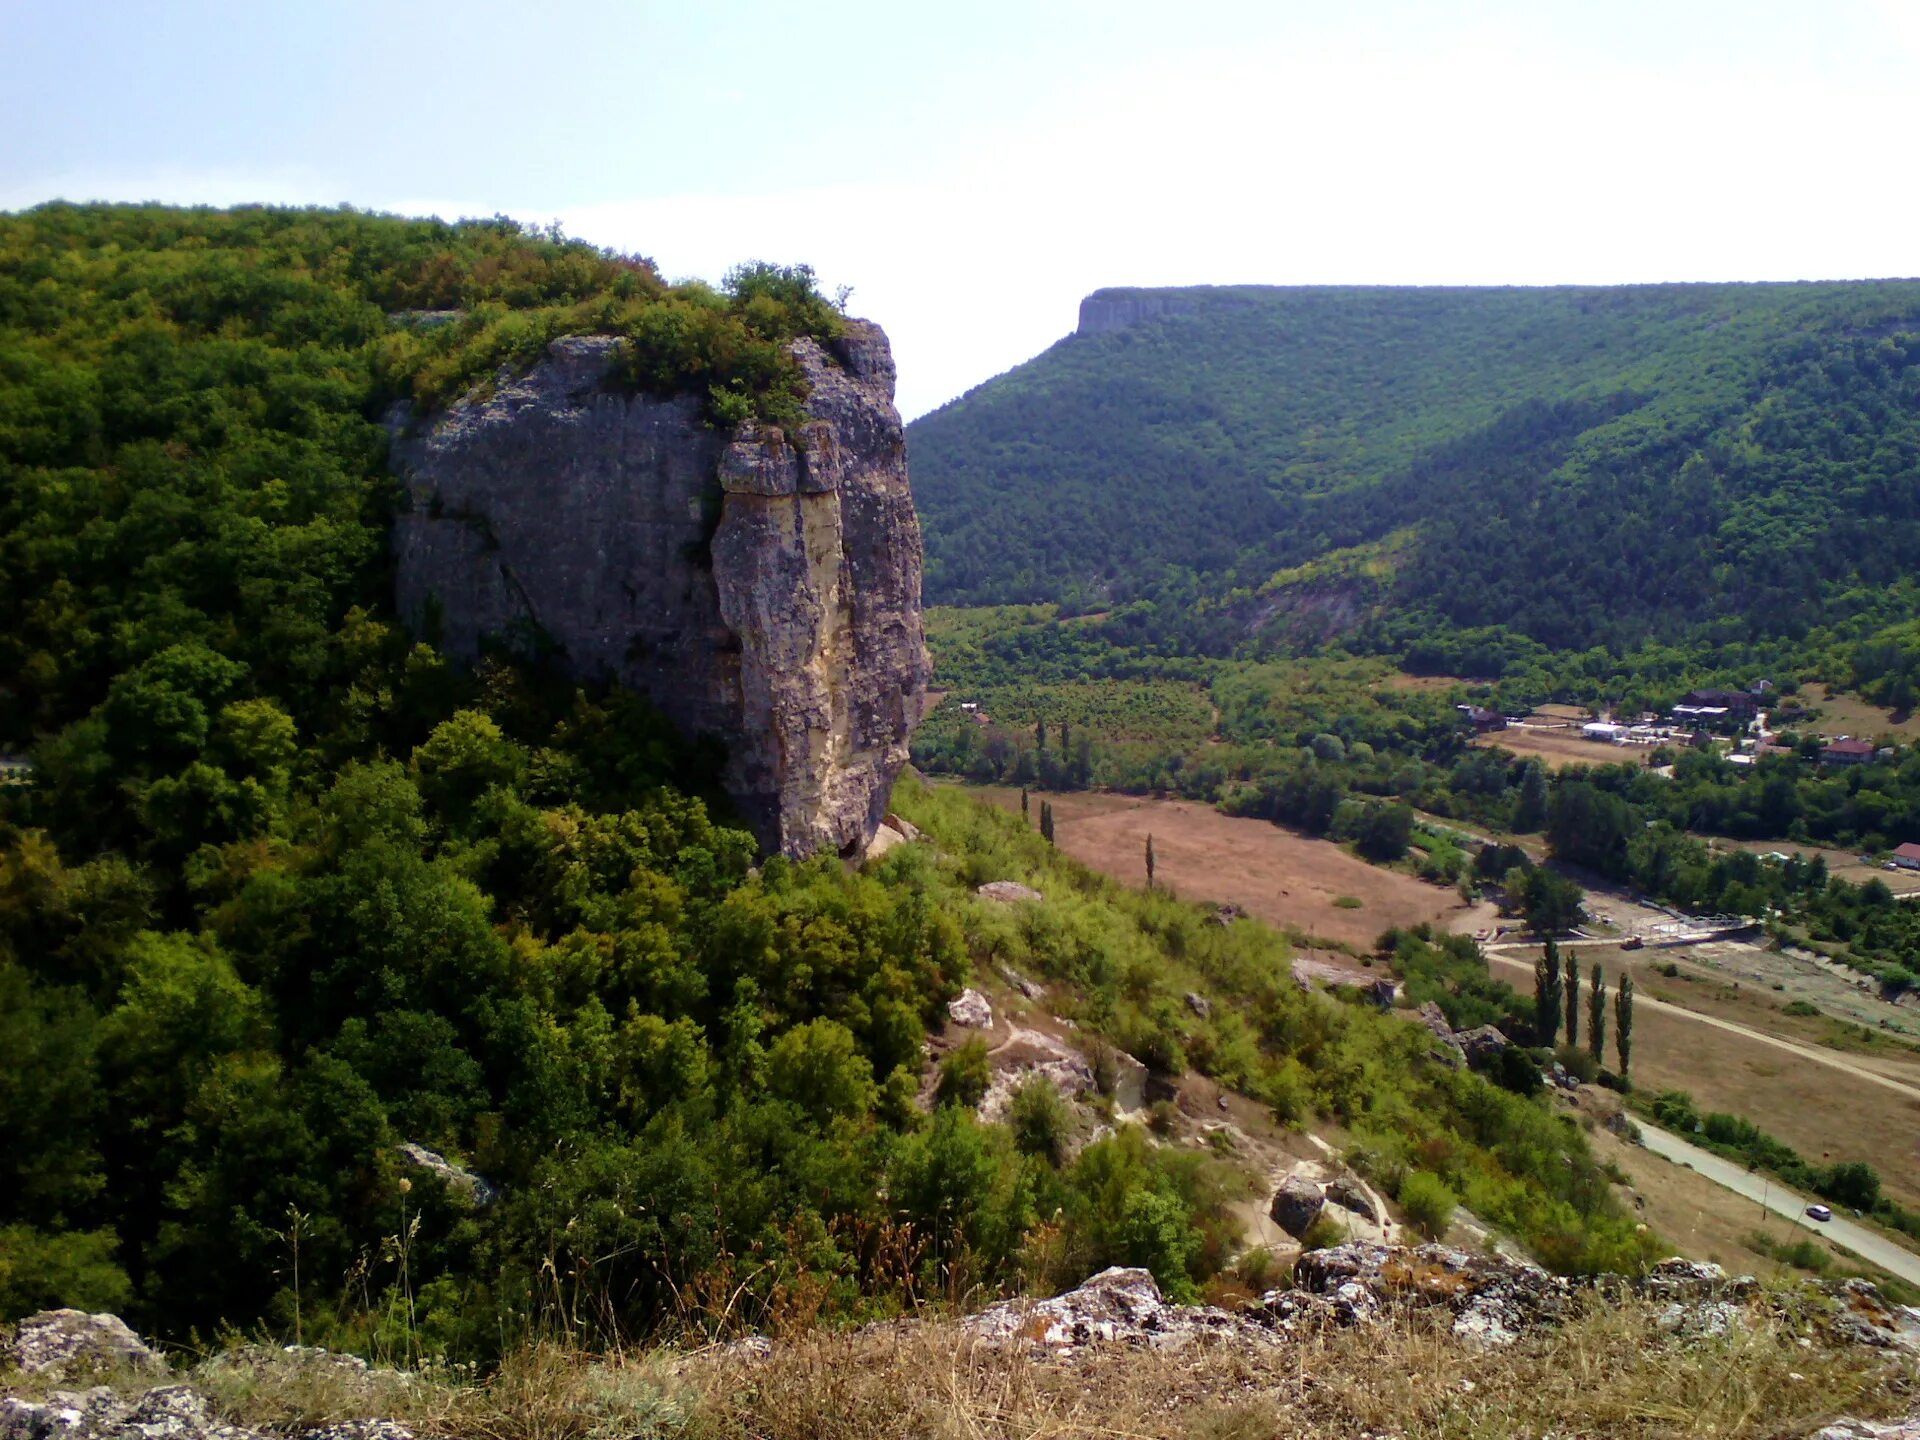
[971, 1009]
[1117, 1305]
[458, 1180]
[1199, 1004]
[1007, 892]
[902, 827]
[61, 1344]
[1226, 915]
[1296, 1204]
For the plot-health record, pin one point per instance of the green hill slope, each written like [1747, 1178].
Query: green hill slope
[1586, 465]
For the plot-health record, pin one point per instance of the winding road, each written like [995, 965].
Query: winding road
[1811, 1053]
[1867, 1244]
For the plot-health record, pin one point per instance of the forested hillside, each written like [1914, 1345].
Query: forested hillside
[283, 890]
[1576, 466]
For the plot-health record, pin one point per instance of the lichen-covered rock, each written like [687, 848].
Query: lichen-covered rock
[1494, 1300]
[1199, 1004]
[972, 1009]
[458, 1180]
[1297, 1204]
[759, 587]
[360, 1430]
[1861, 1315]
[1117, 1305]
[166, 1412]
[64, 1344]
[1678, 1278]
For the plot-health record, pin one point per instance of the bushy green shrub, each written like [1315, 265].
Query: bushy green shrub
[1427, 1203]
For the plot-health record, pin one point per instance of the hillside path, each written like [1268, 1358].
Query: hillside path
[1805, 1052]
[1865, 1243]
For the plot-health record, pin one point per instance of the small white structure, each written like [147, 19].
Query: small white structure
[1603, 730]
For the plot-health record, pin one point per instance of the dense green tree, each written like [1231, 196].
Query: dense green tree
[1623, 1023]
[1597, 1016]
[1547, 995]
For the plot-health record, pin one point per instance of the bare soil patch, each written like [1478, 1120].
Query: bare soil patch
[1287, 879]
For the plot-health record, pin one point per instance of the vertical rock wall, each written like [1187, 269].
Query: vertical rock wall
[758, 587]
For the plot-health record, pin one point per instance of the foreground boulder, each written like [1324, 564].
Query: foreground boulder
[67, 1344]
[1493, 1299]
[1117, 1305]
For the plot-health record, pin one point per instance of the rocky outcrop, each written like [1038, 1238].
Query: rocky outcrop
[476, 1190]
[1007, 892]
[1117, 1305]
[758, 586]
[67, 1344]
[971, 1009]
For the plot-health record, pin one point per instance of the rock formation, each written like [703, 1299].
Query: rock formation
[759, 587]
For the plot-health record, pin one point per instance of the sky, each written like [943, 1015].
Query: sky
[972, 171]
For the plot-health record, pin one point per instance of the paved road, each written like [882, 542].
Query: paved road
[1867, 1244]
[1811, 1053]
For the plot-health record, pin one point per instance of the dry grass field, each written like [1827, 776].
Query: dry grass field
[1825, 1113]
[1287, 879]
[1851, 715]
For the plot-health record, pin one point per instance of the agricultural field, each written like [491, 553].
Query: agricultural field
[1293, 881]
[1841, 864]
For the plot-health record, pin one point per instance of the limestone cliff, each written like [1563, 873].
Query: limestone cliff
[757, 586]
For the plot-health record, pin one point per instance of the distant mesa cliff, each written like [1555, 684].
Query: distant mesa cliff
[1106, 310]
[757, 586]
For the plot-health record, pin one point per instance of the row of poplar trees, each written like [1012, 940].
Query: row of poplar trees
[1556, 991]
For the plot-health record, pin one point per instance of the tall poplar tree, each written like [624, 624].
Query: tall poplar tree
[1623, 1023]
[1149, 860]
[1597, 1017]
[1572, 987]
[1547, 996]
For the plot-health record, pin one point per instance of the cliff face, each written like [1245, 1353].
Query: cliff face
[1106, 310]
[759, 587]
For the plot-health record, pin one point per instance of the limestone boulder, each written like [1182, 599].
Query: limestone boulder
[1296, 1204]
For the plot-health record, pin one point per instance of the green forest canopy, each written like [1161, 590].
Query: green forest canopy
[1582, 465]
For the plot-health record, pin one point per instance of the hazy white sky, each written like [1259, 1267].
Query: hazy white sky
[973, 170]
